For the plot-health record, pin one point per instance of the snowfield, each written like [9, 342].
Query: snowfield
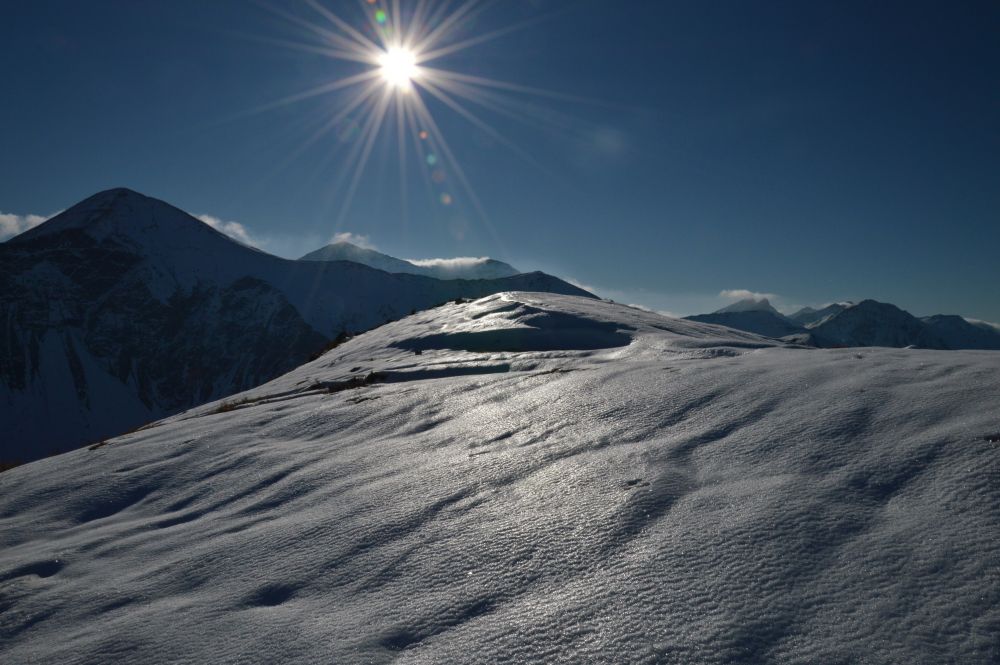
[531, 478]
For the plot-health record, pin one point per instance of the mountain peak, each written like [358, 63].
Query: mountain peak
[132, 218]
[750, 305]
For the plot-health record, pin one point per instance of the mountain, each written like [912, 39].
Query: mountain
[958, 333]
[872, 323]
[868, 323]
[124, 309]
[482, 268]
[809, 317]
[751, 315]
[551, 480]
[750, 305]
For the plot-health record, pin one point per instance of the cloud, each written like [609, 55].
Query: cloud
[744, 294]
[234, 230]
[586, 287]
[455, 263]
[661, 312]
[12, 225]
[980, 322]
[361, 241]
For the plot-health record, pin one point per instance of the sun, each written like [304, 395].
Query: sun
[392, 69]
[398, 68]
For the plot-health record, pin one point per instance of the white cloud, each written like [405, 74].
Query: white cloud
[661, 312]
[744, 294]
[984, 323]
[586, 287]
[450, 264]
[12, 225]
[234, 230]
[354, 238]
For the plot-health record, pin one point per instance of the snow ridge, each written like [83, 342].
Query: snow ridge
[650, 490]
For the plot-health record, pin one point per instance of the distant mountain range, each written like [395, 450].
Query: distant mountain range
[469, 268]
[124, 309]
[867, 323]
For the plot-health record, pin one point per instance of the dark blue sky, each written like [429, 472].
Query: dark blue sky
[818, 151]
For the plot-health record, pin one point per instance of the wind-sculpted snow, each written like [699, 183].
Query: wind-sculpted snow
[693, 495]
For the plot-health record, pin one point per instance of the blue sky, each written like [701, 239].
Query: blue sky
[816, 151]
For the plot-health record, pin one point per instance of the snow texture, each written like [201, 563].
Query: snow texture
[531, 478]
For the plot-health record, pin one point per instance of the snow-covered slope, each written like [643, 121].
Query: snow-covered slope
[467, 268]
[123, 309]
[752, 315]
[550, 479]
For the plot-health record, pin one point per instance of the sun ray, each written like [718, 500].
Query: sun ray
[424, 114]
[528, 113]
[362, 41]
[412, 124]
[333, 37]
[331, 123]
[397, 46]
[478, 122]
[411, 31]
[336, 54]
[504, 85]
[371, 134]
[326, 88]
[442, 51]
[466, 10]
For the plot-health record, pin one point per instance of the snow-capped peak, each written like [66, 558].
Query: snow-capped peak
[133, 218]
[453, 268]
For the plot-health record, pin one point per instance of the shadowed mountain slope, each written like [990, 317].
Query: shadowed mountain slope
[124, 309]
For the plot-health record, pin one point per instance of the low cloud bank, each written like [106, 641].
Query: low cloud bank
[234, 230]
[455, 263]
[12, 225]
[744, 294]
[362, 241]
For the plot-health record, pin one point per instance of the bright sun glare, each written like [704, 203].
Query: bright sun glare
[398, 67]
[397, 48]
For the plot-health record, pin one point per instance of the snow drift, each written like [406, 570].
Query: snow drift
[530, 478]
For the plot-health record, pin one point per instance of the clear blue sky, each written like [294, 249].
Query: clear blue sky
[818, 151]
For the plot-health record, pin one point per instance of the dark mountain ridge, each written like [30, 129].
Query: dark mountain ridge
[866, 323]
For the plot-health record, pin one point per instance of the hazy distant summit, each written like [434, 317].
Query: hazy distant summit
[457, 268]
[755, 315]
[866, 323]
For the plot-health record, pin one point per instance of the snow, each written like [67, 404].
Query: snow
[56, 406]
[550, 479]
